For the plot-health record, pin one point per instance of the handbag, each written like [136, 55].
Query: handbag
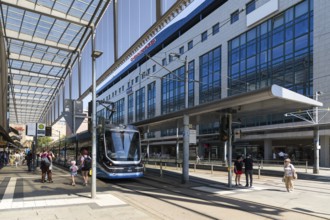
[295, 175]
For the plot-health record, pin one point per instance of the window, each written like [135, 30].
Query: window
[210, 72]
[151, 100]
[274, 52]
[173, 91]
[190, 45]
[118, 115]
[170, 58]
[139, 104]
[130, 109]
[154, 68]
[234, 17]
[181, 50]
[136, 79]
[164, 62]
[204, 36]
[251, 6]
[215, 28]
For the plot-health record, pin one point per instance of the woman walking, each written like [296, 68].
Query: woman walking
[289, 174]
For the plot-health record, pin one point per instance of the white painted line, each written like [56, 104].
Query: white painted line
[101, 200]
[9, 193]
[212, 190]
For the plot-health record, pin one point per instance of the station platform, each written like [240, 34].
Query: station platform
[23, 196]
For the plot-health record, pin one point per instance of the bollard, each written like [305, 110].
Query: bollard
[259, 171]
[262, 164]
[144, 168]
[195, 167]
[306, 165]
[161, 169]
[211, 168]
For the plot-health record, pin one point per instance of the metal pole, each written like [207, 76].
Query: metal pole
[316, 139]
[230, 150]
[185, 168]
[93, 187]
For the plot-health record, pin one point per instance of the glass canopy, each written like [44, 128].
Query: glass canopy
[42, 37]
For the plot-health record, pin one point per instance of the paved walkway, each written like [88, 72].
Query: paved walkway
[23, 196]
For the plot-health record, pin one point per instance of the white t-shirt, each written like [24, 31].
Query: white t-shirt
[289, 170]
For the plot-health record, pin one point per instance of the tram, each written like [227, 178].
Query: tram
[118, 151]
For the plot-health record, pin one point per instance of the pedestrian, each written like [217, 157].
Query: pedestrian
[29, 160]
[198, 159]
[44, 165]
[289, 175]
[17, 159]
[73, 171]
[86, 165]
[248, 164]
[238, 170]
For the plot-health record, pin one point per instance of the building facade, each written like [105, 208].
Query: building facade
[228, 48]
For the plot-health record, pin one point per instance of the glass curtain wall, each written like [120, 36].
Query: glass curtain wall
[210, 76]
[279, 51]
[134, 19]
[118, 116]
[151, 100]
[130, 109]
[173, 92]
[140, 104]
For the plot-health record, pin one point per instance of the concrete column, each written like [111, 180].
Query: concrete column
[325, 151]
[268, 149]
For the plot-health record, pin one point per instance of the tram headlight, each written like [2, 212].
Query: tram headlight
[110, 164]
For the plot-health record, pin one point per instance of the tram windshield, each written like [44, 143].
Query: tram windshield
[123, 145]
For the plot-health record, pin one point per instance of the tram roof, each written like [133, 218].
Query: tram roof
[272, 99]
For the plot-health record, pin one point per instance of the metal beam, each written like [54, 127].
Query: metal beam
[29, 112]
[25, 102]
[37, 40]
[15, 56]
[32, 99]
[21, 72]
[25, 91]
[16, 82]
[42, 10]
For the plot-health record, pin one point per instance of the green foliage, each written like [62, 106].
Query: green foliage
[44, 142]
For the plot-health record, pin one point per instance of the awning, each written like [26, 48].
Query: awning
[11, 129]
[15, 138]
[273, 99]
[4, 134]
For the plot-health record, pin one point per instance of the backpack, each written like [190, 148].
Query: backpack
[45, 161]
[87, 162]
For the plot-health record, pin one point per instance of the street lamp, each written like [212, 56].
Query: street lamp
[185, 167]
[95, 54]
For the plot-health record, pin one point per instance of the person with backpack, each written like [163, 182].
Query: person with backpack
[86, 165]
[44, 165]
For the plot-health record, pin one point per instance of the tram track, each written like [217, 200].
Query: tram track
[168, 192]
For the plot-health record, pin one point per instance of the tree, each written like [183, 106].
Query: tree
[43, 142]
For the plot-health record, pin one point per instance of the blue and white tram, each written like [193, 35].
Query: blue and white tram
[118, 151]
